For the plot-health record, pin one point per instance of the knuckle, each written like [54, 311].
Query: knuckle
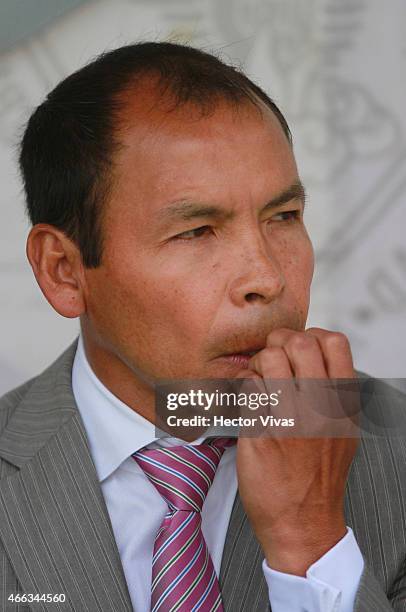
[278, 333]
[337, 340]
[301, 342]
[272, 354]
[269, 355]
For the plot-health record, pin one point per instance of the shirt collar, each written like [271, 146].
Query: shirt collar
[113, 429]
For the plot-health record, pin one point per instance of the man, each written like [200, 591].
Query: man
[167, 215]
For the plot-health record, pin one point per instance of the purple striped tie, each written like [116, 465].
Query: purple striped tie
[183, 576]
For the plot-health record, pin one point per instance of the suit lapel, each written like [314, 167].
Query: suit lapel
[54, 522]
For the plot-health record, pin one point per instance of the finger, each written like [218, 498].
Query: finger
[251, 382]
[336, 351]
[279, 336]
[247, 374]
[303, 351]
[271, 362]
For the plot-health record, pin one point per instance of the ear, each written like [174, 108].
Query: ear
[58, 269]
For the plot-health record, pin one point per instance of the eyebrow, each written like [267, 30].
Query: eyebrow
[185, 211]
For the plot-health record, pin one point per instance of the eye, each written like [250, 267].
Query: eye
[197, 232]
[286, 215]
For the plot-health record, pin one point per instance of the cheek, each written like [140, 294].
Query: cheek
[185, 305]
[162, 301]
[299, 267]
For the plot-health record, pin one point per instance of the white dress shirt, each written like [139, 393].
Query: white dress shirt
[136, 509]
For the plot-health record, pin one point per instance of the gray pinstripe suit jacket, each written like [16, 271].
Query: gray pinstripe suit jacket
[56, 535]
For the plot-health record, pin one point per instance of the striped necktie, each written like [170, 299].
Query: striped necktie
[183, 575]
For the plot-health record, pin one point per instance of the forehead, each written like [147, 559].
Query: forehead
[168, 153]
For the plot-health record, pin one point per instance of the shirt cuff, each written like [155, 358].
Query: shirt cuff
[330, 585]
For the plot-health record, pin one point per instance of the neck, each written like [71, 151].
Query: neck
[120, 378]
[132, 388]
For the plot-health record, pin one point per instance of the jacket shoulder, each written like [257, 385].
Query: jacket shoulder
[42, 384]
[10, 400]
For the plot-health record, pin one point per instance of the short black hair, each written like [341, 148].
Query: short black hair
[67, 148]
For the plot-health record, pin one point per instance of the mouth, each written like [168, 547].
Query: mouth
[241, 358]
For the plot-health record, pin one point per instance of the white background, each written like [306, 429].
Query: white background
[337, 70]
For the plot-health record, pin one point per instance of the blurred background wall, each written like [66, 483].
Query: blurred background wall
[337, 69]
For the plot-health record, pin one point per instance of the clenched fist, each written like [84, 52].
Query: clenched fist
[292, 488]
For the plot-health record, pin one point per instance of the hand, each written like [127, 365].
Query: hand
[293, 489]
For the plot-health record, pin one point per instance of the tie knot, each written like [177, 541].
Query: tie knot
[183, 474]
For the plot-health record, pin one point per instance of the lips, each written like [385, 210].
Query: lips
[241, 358]
[238, 359]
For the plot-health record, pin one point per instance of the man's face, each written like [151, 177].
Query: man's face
[196, 266]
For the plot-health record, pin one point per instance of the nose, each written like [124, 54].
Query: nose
[259, 278]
